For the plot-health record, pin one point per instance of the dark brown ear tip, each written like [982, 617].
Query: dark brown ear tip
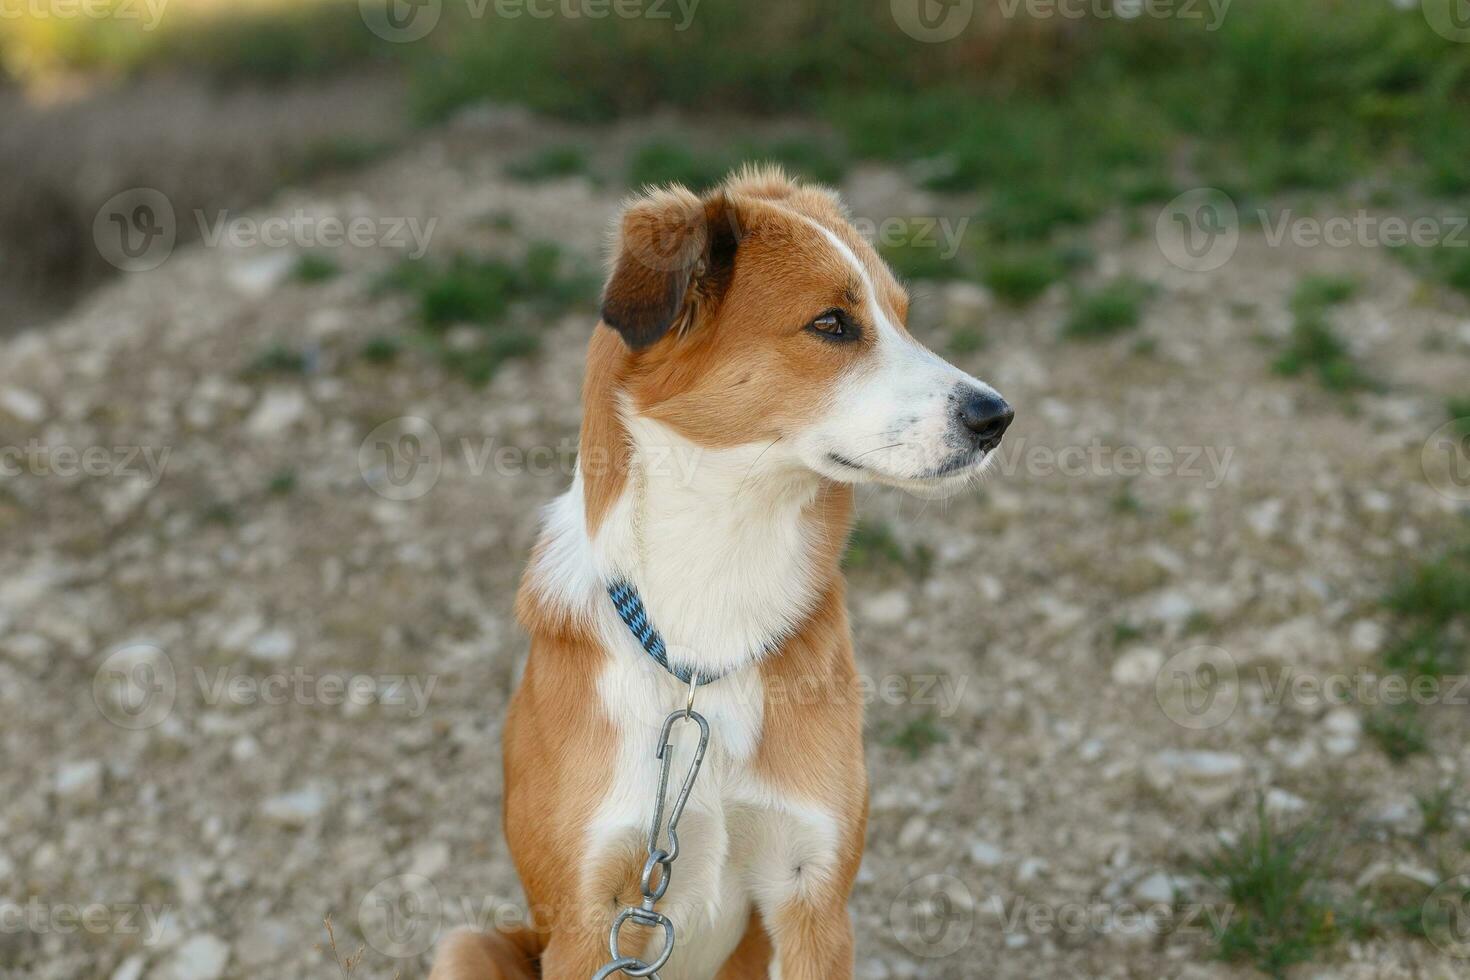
[639, 330]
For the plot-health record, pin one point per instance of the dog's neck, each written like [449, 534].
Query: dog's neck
[728, 547]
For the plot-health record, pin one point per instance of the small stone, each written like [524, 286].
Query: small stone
[278, 410]
[1264, 519]
[80, 781]
[1404, 815]
[1206, 778]
[1377, 502]
[1172, 607]
[1031, 869]
[1138, 667]
[274, 645]
[1281, 803]
[1343, 728]
[258, 276]
[239, 632]
[887, 608]
[913, 832]
[295, 809]
[1397, 878]
[1296, 641]
[130, 969]
[201, 957]
[1343, 721]
[244, 749]
[22, 404]
[1366, 636]
[1158, 888]
[986, 855]
[429, 858]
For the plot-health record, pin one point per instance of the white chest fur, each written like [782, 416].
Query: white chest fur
[715, 542]
[743, 845]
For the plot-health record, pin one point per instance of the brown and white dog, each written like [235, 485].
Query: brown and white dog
[756, 333]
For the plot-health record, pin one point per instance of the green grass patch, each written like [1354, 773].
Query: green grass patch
[1125, 632]
[312, 268]
[550, 163]
[1430, 642]
[1398, 730]
[661, 161]
[1435, 594]
[1112, 309]
[966, 340]
[1019, 276]
[277, 359]
[915, 261]
[282, 483]
[381, 350]
[1459, 411]
[481, 292]
[1448, 265]
[1316, 293]
[334, 156]
[916, 736]
[1275, 878]
[1314, 348]
[874, 546]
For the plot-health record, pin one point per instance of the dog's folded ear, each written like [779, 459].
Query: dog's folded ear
[674, 257]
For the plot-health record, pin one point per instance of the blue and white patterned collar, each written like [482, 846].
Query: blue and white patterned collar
[629, 604]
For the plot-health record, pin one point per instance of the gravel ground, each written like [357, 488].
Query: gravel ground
[244, 689]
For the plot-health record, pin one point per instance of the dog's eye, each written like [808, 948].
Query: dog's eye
[830, 323]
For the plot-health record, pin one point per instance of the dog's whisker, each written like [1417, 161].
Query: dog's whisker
[751, 467]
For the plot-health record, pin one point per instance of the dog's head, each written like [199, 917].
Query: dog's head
[758, 314]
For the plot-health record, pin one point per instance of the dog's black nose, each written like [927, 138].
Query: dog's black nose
[984, 415]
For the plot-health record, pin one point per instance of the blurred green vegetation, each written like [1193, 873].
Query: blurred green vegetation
[1108, 310]
[1314, 347]
[478, 293]
[1049, 121]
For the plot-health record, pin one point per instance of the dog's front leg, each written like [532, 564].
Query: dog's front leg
[812, 933]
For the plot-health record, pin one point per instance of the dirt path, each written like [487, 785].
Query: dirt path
[1023, 630]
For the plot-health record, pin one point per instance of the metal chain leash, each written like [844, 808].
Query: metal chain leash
[659, 858]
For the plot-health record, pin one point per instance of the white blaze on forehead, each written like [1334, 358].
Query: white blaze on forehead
[880, 315]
